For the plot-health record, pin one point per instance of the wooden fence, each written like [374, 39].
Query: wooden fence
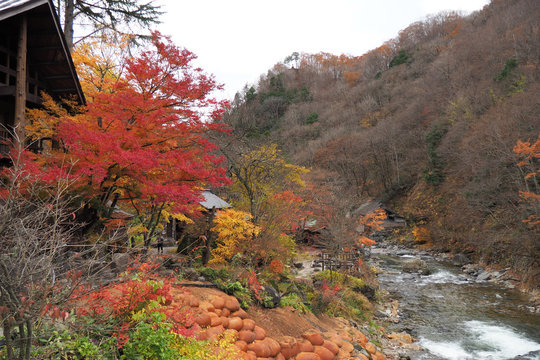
[348, 262]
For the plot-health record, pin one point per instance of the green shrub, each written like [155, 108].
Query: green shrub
[212, 274]
[433, 174]
[294, 301]
[150, 339]
[402, 58]
[312, 118]
[238, 290]
[510, 65]
[339, 279]
[65, 345]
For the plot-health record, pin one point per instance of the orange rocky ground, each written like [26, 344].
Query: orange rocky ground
[277, 333]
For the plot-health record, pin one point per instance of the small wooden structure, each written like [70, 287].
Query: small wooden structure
[34, 57]
[186, 242]
[344, 261]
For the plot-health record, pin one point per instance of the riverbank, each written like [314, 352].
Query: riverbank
[452, 313]
[505, 277]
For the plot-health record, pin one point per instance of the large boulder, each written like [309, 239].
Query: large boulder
[273, 295]
[121, 261]
[460, 260]
[416, 266]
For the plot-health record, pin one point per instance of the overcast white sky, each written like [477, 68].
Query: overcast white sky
[238, 40]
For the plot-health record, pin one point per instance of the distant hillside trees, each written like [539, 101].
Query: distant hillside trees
[436, 136]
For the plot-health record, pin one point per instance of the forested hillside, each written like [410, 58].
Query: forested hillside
[434, 122]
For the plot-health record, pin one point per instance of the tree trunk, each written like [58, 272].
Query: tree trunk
[29, 335]
[209, 237]
[69, 15]
[9, 342]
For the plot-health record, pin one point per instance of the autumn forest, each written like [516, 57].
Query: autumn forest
[142, 217]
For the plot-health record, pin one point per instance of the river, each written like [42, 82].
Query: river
[453, 315]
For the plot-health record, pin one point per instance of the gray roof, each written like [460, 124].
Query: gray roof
[9, 8]
[367, 207]
[212, 201]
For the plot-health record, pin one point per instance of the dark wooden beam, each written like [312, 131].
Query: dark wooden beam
[11, 91]
[45, 63]
[55, 77]
[7, 70]
[7, 90]
[20, 86]
[68, 90]
[34, 48]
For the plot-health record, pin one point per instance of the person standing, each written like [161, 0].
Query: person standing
[160, 241]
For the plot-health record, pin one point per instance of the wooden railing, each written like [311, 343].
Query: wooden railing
[349, 262]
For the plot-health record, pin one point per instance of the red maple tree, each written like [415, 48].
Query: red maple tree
[143, 141]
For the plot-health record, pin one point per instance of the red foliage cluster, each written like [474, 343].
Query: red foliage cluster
[143, 141]
[137, 289]
[276, 266]
[291, 210]
[328, 291]
[255, 285]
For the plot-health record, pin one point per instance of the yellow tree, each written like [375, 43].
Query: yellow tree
[264, 185]
[260, 174]
[235, 233]
[100, 63]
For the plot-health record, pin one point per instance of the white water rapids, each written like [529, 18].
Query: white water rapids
[456, 317]
[492, 342]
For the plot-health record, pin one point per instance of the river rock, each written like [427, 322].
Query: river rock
[460, 260]
[401, 338]
[470, 269]
[273, 295]
[416, 266]
[483, 276]
[367, 290]
[190, 274]
[528, 356]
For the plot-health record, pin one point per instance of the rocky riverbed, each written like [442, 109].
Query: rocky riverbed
[455, 310]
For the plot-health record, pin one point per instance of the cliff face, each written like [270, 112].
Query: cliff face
[428, 121]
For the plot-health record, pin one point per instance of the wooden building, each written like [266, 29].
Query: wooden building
[34, 57]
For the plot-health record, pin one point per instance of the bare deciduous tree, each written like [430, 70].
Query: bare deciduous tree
[40, 264]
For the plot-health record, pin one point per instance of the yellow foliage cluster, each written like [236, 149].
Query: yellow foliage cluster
[372, 119]
[99, 63]
[264, 185]
[42, 121]
[235, 233]
[222, 348]
[421, 234]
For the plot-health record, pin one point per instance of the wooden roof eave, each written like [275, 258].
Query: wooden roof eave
[9, 10]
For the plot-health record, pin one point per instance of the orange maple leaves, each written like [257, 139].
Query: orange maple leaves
[529, 163]
[371, 223]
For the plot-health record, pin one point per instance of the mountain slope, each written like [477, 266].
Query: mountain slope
[428, 121]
